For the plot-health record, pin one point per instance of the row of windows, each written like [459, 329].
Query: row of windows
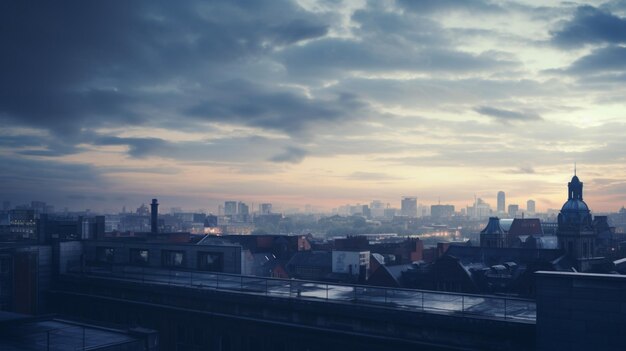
[207, 261]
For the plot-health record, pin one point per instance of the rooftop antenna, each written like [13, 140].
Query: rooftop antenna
[574, 168]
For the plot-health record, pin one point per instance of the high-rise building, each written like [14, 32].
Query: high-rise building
[513, 209]
[530, 206]
[409, 206]
[243, 209]
[266, 208]
[501, 202]
[230, 208]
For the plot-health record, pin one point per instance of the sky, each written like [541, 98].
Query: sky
[111, 103]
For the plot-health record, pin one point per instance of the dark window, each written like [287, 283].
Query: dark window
[139, 256]
[105, 254]
[211, 261]
[171, 258]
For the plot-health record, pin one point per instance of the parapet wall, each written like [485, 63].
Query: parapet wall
[577, 311]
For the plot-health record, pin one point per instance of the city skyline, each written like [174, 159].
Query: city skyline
[312, 102]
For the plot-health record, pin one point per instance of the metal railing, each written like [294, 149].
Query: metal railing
[500, 307]
[72, 337]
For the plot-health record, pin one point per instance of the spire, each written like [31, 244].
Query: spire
[574, 168]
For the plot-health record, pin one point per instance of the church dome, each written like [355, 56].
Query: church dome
[574, 205]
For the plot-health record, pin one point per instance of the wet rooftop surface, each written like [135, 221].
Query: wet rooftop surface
[481, 306]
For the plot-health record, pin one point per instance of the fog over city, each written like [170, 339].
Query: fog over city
[106, 104]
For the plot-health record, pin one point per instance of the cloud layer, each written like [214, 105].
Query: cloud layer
[322, 102]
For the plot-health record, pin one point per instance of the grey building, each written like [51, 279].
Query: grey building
[409, 206]
[501, 202]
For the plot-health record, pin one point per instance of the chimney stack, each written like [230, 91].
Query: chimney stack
[154, 213]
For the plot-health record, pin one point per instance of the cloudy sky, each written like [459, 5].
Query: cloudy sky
[109, 103]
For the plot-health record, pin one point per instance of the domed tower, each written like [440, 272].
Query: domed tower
[575, 231]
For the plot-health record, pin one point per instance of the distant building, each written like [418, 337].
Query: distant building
[409, 206]
[501, 202]
[513, 210]
[242, 209]
[377, 209]
[530, 206]
[266, 208]
[230, 208]
[441, 211]
[480, 210]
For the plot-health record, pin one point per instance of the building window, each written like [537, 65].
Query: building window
[139, 256]
[170, 258]
[585, 251]
[105, 254]
[211, 261]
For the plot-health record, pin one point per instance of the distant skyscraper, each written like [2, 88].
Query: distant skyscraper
[266, 208]
[242, 209]
[409, 206]
[501, 202]
[230, 208]
[513, 209]
[530, 206]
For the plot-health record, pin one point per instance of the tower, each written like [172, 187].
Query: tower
[501, 202]
[575, 232]
[493, 234]
[154, 214]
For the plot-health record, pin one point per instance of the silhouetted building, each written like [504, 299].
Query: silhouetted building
[530, 206]
[493, 235]
[154, 216]
[575, 233]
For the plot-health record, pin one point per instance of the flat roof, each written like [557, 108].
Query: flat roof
[58, 334]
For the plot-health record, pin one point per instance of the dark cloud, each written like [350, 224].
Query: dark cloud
[428, 6]
[607, 59]
[74, 65]
[284, 110]
[590, 25]
[290, 155]
[224, 150]
[326, 57]
[24, 178]
[507, 115]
